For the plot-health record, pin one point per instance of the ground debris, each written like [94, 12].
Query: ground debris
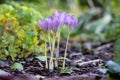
[79, 77]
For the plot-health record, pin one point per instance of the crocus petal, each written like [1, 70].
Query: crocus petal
[56, 13]
[48, 22]
[63, 18]
[41, 24]
[75, 22]
[69, 20]
[56, 24]
[44, 25]
[72, 21]
[51, 22]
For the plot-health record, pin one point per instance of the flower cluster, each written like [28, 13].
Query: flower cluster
[54, 23]
[58, 20]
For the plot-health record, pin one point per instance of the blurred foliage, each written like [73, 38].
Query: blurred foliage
[117, 50]
[102, 20]
[19, 31]
[45, 7]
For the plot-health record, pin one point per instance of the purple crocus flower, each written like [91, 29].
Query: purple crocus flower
[43, 25]
[56, 24]
[53, 23]
[71, 21]
[46, 24]
[49, 23]
[61, 16]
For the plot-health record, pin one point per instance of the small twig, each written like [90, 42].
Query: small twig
[40, 64]
[89, 62]
[104, 46]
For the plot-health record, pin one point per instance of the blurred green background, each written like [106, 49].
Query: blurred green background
[20, 32]
[99, 17]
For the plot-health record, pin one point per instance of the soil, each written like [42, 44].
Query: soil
[92, 56]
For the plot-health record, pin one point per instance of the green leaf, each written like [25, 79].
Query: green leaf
[17, 66]
[39, 49]
[66, 70]
[13, 56]
[12, 49]
[42, 58]
[117, 50]
[2, 56]
[113, 67]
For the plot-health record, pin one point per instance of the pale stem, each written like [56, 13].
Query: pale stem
[65, 54]
[46, 66]
[56, 63]
[49, 42]
[58, 44]
[51, 58]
